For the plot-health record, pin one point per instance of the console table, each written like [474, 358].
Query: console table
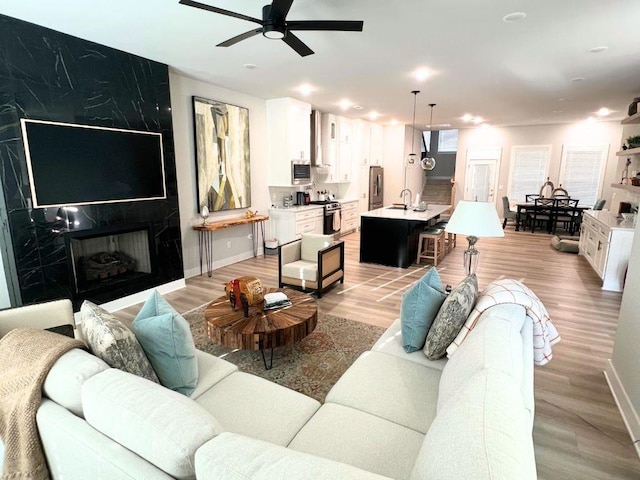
[205, 236]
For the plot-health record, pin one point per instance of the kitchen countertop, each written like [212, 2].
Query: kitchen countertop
[295, 208]
[409, 214]
[611, 220]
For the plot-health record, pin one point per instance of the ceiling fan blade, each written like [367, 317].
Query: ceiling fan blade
[280, 9]
[239, 38]
[340, 25]
[209, 8]
[297, 44]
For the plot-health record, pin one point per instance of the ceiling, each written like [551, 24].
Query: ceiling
[538, 70]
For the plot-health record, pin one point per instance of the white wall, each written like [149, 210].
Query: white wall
[241, 247]
[396, 150]
[555, 135]
[623, 372]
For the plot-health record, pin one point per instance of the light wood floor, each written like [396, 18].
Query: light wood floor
[578, 431]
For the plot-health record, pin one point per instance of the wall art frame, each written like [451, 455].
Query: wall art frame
[223, 167]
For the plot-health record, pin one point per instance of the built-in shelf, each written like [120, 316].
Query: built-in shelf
[628, 151]
[633, 119]
[630, 188]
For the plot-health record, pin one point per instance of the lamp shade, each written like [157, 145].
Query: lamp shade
[478, 219]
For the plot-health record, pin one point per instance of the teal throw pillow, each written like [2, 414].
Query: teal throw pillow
[420, 305]
[166, 339]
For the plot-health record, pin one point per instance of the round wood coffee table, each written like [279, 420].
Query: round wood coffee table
[261, 329]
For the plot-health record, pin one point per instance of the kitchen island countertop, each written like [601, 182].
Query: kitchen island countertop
[399, 214]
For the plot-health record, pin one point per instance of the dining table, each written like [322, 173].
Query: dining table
[556, 209]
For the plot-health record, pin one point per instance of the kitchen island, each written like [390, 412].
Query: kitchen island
[389, 236]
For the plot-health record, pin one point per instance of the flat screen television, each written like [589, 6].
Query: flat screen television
[71, 164]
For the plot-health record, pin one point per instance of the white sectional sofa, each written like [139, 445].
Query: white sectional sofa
[391, 415]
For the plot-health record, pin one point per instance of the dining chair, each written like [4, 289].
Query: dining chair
[568, 215]
[542, 213]
[507, 212]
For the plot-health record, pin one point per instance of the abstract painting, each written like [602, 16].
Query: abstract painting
[222, 155]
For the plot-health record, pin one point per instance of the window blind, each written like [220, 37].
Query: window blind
[528, 170]
[448, 141]
[581, 171]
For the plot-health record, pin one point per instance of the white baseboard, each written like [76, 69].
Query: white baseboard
[139, 297]
[628, 412]
[223, 262]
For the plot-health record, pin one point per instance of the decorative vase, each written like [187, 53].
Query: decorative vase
[633, 108]
[204, 213]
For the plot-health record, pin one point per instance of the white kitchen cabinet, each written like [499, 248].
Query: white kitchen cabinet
[329, 139]
[605, 242]
[375, 148]
[288, 224]
[349, 217]
[288, 137]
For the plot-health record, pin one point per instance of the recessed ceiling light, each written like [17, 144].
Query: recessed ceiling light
[345, 104]
[603, 112]
[250, 66]
[564, 99]
[421, 74]
[393, 122]
[305, 89]
[577, 79]
[478, 120]
[373, 115]
[357, 107]
[467, 117]
[440, 125]
[514, 17]
[598, 49]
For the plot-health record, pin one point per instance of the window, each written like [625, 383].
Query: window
[448, 141]
[529, 166]
[581, 171]
[426, 141]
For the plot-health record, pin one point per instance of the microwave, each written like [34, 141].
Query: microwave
[300, 172]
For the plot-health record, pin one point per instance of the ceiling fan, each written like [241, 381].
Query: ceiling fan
[274, 24]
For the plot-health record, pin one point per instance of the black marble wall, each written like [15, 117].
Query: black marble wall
[48, 75]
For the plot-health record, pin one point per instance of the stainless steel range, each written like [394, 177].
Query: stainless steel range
[332, 217]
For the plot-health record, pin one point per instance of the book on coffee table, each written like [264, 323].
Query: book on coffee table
[276, 300]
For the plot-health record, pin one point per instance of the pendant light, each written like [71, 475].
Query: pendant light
[412, 156]
[428, 162]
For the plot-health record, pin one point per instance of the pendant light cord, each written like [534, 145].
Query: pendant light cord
[413, 131]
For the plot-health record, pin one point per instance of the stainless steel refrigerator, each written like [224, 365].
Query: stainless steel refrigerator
[376, 187]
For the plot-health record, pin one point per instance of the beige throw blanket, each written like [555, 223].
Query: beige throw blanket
[26, 356]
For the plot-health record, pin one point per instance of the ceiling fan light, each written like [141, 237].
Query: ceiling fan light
[273, 32]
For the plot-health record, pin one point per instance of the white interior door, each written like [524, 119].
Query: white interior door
[482, 175]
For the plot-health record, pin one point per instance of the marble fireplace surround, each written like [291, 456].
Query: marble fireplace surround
[49, 75]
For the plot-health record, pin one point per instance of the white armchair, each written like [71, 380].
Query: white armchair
[314, 262]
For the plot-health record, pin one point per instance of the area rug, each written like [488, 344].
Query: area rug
[311, 366]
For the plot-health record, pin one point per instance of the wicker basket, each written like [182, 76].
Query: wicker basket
[635, 182]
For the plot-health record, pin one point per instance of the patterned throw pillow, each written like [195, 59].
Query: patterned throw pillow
[110, 340]
[420, 305]
[451, 317]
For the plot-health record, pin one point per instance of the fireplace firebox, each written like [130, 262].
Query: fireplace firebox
[104, 259]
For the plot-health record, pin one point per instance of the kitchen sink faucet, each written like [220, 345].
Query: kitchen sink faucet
[402, 194]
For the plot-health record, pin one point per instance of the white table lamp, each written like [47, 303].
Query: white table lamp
[475, 220]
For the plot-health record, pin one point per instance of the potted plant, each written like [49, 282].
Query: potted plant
[634, 141]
